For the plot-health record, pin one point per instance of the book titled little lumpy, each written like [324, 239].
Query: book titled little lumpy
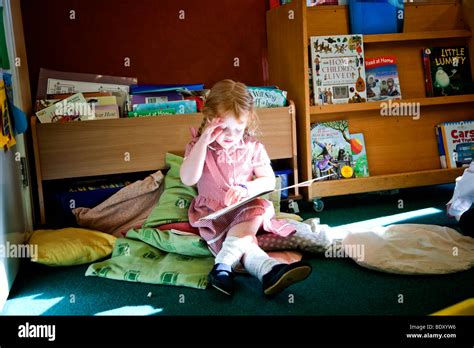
[447, 71]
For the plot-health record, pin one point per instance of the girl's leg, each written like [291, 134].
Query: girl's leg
[275, 276]
[238, 239]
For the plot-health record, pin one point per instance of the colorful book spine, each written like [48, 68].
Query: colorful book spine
[180, 106]
[361, 165]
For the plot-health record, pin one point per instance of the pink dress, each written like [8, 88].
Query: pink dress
[223, 169]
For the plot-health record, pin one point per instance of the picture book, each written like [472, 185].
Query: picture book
[382, 78]
[267, 97]
[455, 143]
[58, 82]
[260, 194]
[155, 97]
[447, 71]
[359, 155]
[331, 150]
[180, 106]
[106, 112]
[338, 70]
[73, 108]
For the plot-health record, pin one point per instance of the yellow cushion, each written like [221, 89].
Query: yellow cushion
[70, 246]
[288, 216]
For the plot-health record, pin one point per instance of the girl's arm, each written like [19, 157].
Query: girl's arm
[193, 164]
[265, 181]
[191, 169]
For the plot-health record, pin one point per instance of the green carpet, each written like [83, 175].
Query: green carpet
[336, 286]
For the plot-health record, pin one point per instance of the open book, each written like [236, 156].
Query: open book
[248, 199]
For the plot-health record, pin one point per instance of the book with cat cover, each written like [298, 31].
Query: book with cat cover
[359, 155]
[338, 69]
[447, 71]
[382, 78]
[331, 150]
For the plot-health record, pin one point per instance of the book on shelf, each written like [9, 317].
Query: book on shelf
[359, 155]
[447, 71]
[338, 70]
[382, 78]
[331, 150]
[73, 108]
[267, 97]
[106, 112]
[179, 106]
[455, 143]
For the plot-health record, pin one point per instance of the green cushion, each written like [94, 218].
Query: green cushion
[174, 203]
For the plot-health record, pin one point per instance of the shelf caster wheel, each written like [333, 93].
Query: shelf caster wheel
[318, 205]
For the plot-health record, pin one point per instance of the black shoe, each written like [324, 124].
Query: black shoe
[282, 276]
[222, 278]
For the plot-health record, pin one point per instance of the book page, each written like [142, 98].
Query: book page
[248, 199]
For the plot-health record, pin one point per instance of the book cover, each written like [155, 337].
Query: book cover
[458, 143]
[359, 155]
[74, 108]
[382, 78]
[331, 150]
[338, 70]
[155, 97]
[106, 112]
[180, 106]
[447, 71]
[267, 97]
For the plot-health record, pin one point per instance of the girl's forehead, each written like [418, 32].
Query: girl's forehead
[230, 120]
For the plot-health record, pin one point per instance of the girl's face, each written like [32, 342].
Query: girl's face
[232, 129]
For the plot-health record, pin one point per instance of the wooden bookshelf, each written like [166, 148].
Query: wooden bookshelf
[96, 148]
[402, 151]
[385, 182]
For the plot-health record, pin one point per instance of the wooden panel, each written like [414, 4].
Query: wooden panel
[167, 41]
[468, 10]
[384, 182]
[288, 67]
[80, 149]
[422, 35]
[369, 106]
[435, 15]
[327, 20]
[402, 144]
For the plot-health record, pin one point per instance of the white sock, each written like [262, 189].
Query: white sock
[257, 262]
[232, 250]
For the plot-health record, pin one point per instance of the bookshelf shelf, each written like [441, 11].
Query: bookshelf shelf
[90, 148]
[385, 182]
[401, 151]
[422, 35]
[370, 106]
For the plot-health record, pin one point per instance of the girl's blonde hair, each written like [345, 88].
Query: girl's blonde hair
[230, 96]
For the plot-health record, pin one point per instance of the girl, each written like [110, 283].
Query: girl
[223, 160]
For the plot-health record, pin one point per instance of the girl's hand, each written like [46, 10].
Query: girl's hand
[211, 131]
[234, 194]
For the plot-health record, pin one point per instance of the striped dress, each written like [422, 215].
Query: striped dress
[224, 168]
